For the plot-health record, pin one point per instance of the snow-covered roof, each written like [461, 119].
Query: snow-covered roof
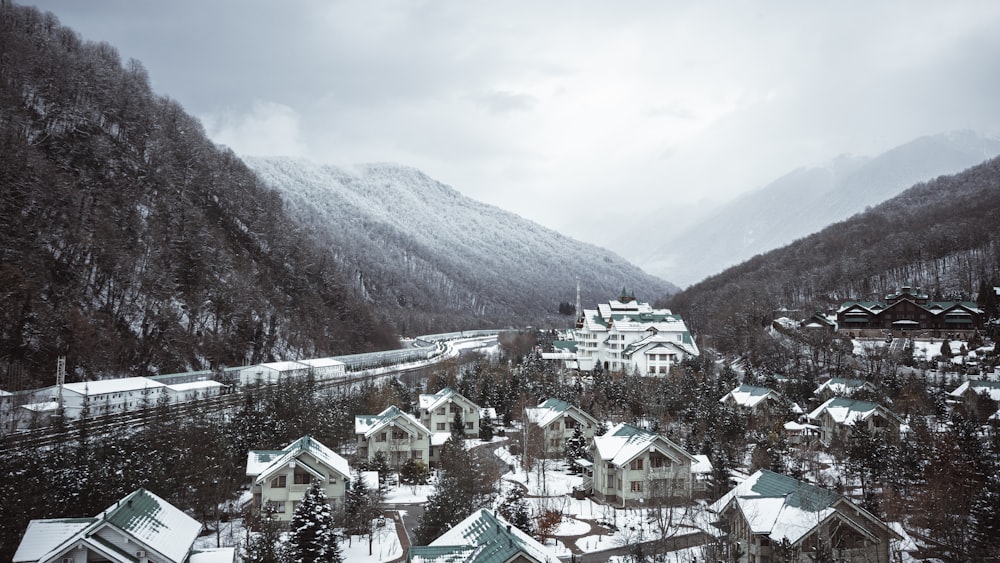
[749, 396]
[194, 386]
[847, 411]
[369, 424]
[483, 537]
[702, 465]
[262, 463]
[488, 412]
[657, 342]
[42, 536]
[977, 386]
[149, 521]
[779, 506]
[625, 442]
[44, 406]
[799, 427]
[439, 438]
[105, 386]
[842, 386]
[443, 397]
[214, 555]
[322, 362]
[551, 409]
[284, 366]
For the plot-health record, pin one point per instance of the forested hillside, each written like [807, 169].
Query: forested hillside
[431, 259]
[133, 245]
[808, 199]
[940, 235]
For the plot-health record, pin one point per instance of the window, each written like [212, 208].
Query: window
[276, 506]
[279, 482]
[468, 426]
[636, 464]
[398, 435]
[440, 410]
[440, 426]
[611, 481]
[417, 454]
[333, 479]
[302, 478]
[635, 486]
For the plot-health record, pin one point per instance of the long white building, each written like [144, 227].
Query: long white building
[630, 336]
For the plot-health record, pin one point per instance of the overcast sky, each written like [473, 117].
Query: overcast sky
[572, 114]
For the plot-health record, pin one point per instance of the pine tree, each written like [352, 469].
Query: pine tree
[458, 426]
[486, 428]
[263, 545]
[514, 509]
[312, 538]
[576, 448]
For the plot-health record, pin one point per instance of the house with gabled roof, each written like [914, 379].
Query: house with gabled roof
[139, 528]
[558, 420]
[838, 416]
[977, 387]
[279, 478]
[483, 537]
[398, 435]
[632, 465]
[909, 310]
[772, 517]
[438, 410]
[629, 336]
[755, 401]
[842, 387]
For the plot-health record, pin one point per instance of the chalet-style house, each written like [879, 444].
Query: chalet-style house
[758, 402]
[773, 517]
[631, 337]
[632, 464]
[483, 537]
[842, 387]
[279, 478]
[558, 420]
[837, 418]
[909, 311]
[399, 436]
[437, 412]
[977, 387]
[140, 528]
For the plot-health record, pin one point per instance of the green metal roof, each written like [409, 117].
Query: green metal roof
[799, 494]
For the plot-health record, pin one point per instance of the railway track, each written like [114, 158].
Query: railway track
[370, 368]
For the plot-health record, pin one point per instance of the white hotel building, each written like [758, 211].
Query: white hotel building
[629, 336]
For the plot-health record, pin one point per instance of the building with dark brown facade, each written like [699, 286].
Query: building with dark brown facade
[908, 311]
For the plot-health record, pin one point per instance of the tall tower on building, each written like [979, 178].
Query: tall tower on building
[578, 309]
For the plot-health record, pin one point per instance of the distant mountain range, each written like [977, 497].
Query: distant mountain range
[429, 258]
[807, 200]
[133, 245]
[939, 235]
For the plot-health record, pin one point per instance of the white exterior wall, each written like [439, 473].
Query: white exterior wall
[439, 419]
[397, 450]
[678, 474]
[292, 493]
[560, 430]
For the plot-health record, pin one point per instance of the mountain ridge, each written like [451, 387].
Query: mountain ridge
[808, 199]
[465, 248]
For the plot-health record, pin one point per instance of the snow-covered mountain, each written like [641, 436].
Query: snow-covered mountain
[807, 200]
[420, 251]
